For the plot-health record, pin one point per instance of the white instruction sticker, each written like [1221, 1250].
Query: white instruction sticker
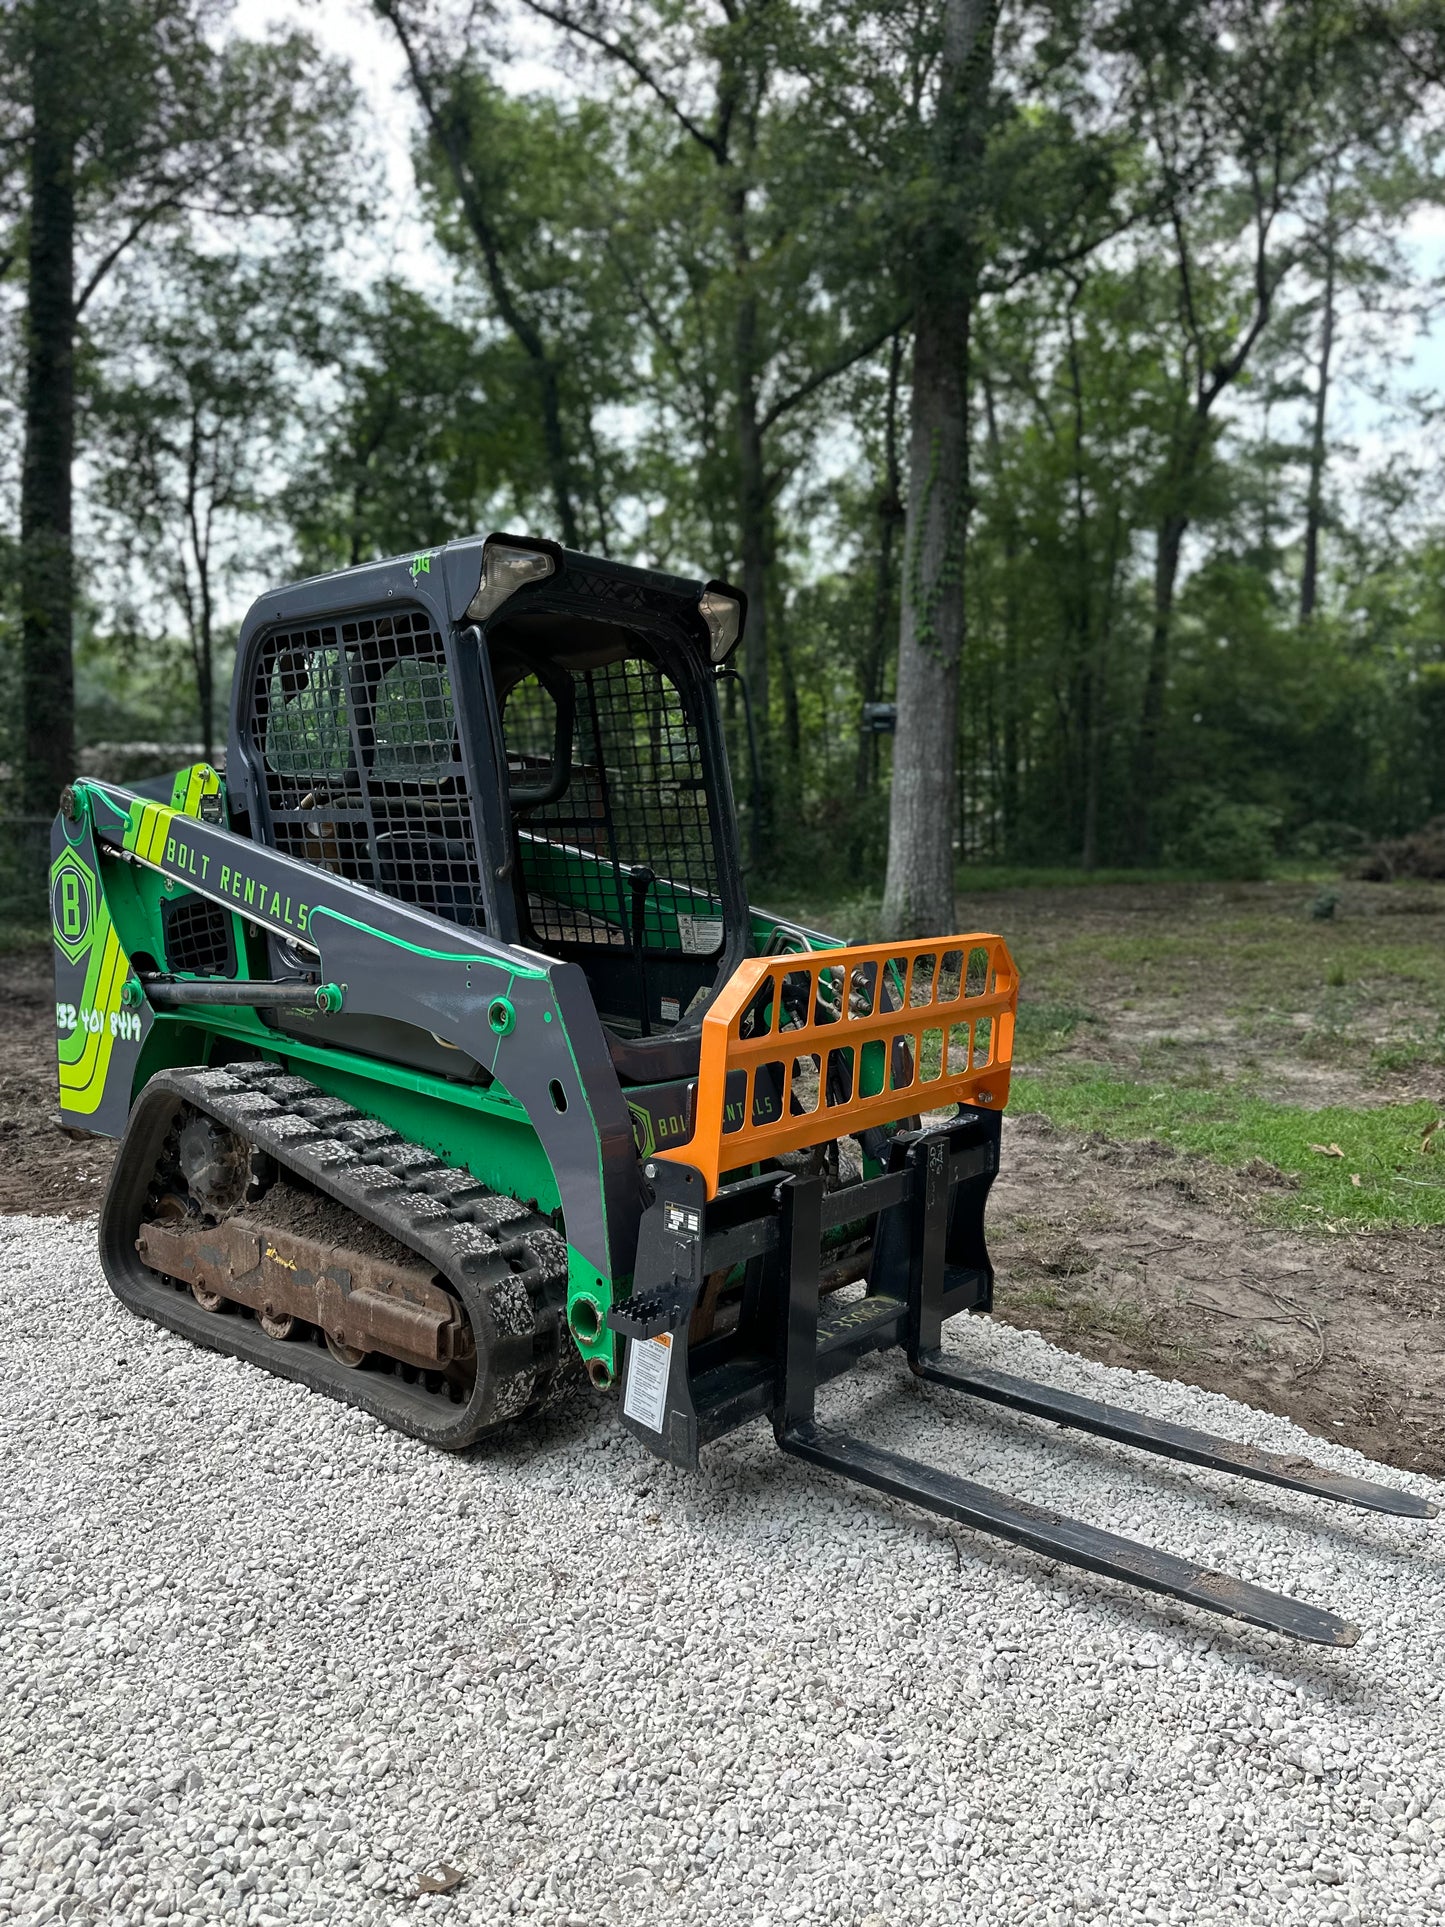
[669, 1009]
[700, 936]
[648, 1362]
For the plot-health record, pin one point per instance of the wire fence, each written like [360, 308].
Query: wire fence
[24, 872]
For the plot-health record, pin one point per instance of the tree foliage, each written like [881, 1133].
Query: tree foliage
[1034, 364]
[125, 120]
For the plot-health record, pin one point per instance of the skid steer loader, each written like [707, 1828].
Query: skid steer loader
[451, 1063]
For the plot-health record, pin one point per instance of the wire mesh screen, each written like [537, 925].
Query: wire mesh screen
[356, 730]
[629, 843]
[197, 937]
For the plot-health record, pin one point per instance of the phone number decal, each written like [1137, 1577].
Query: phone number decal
[123, 1024]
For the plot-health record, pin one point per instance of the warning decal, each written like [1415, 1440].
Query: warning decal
[700, 936]
[648, 1363]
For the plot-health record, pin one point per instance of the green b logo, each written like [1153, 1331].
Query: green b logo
[72, 911]
[72, 904]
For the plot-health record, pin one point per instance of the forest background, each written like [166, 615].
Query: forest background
[1057, 371]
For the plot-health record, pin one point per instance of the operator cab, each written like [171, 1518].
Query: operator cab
[620, 829]
[520, 739]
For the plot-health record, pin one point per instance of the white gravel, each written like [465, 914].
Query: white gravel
[263, 1661]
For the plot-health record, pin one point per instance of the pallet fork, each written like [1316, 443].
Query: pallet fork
[929, 1262]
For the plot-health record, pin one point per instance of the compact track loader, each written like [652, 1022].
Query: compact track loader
[451, 1063]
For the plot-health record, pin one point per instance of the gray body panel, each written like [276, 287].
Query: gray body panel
[398, 962]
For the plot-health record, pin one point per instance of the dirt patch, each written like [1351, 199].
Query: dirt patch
[1209, 982]
[1134, 1255]
[43, 1168]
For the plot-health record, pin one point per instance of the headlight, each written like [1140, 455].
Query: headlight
[505, 570]
[723, 615]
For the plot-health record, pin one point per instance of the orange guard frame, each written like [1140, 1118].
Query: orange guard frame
[948, 1040]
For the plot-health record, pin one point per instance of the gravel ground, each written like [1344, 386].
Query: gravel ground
[262, 1661]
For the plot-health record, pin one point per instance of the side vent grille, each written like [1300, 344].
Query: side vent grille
[197, 937]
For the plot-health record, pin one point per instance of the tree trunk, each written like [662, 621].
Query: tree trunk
[206, 665]
[1089, 696]
[918, 891]
[200, 616]
[890, 516]
[1214, 370]
[753, 542]
[1093, 766]
[1314, 505]
[47, 677]
[1169, 546]
[1089, 789]
[559, 464]
[792, 708]
[1009, 799]
[1096, 739]
[449, 127]
[1009, 775]
[753, 531]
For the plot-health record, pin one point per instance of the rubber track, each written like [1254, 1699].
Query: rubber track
[506, 1264]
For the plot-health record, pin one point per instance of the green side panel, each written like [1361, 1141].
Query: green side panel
[491, 1136]
[134, 896]
[173, 1044]
[498, 1147]
[873, 1068]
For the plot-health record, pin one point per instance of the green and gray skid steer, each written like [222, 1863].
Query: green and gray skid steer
[451, 1064]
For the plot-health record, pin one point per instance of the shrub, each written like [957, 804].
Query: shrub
[1222, 837]
[1329, 842]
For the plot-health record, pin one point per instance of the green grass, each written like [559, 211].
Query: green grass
[1044, 1026]
[982, 878]
[1398, 1185]
[1266, 964]
[783, 895]
[1256, 949]
[1413, 1053]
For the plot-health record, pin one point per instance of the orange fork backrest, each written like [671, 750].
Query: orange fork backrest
[812, 1053]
